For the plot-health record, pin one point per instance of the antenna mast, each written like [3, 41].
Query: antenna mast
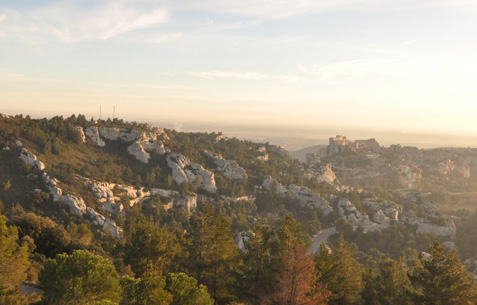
[114, 110]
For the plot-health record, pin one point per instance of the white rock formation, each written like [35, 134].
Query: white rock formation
[241, 238]
[142, 142]
[322, 173]
[426, 226]
[77, 206]
[385, 211]
[301, 193]
[55, 193]
[107, 225]
[93, 133]
[184, 171]
[349, 212]
[30, 159]
[113, 208]
[139, 152]
[164, 193]
[119, 134]
[101, 190]
[74, 204]
[228, 168]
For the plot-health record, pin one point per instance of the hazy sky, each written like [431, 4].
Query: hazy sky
[404, 65]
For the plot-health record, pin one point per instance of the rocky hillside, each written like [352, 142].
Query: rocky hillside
[97, 173]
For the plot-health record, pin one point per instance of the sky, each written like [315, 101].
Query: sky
[344, 65]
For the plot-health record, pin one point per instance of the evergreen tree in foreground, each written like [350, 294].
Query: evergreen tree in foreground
[388, 286]
[80, 278]
[13, 258]
[441, 279]
[341, 273]
[261, 264]
[212, 252]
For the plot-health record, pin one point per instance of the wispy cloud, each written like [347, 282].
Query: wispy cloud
[6, 77]
[156, 39]
[78, 21]
[151, 86]
[229, 74]
[278, 9]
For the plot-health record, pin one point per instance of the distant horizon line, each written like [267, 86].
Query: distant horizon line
[295, 137]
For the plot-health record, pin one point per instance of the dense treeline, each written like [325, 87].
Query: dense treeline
[156, 264]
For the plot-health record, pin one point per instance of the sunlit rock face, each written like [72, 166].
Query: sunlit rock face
[322, 173]
[30, 159]
[185, 171]
[93, 134]
[142, 143]
[228, 168]
[303, 194]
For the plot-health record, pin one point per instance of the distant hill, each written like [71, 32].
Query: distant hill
[301, 153]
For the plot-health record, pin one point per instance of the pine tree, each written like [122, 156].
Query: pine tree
[211, 252]
[389, 286]
[151, 248]
[13, 258]
[80, 278]
[260, 264]
[341, 273]
[441, 279]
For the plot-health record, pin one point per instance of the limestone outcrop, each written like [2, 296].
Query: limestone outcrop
[427, 225]
[76, 206]
[322, 173]
[184, 171]
[301, 193]
[93, 133]
[30, 159]
[228, 168]
[349, 212]
[101, 190]
[142, 142]
[113, 208]
[241, 238]
[384, 211]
